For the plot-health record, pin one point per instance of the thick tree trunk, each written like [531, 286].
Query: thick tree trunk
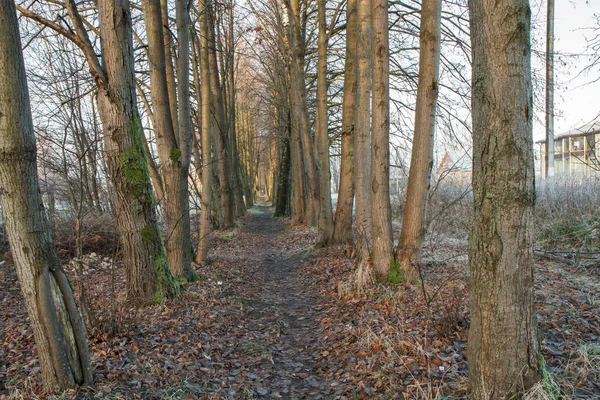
[169, 154]
[408, 251]
[147, 273]
[362, 131]
[57, 326]
[380, 146]
[206, 136]
[342, 233]
[325, 221]
[503, 344]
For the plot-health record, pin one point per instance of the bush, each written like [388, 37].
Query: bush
[98, 234]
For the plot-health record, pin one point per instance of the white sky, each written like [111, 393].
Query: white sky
[577, 97]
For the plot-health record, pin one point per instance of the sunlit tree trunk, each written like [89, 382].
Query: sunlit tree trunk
[299, 91]
[57, 326]
[206, 136]
[362, 131]
[342, 233]
[169, 153]
[408, 251]
[380, 146]
[503, 346]
[325, 221]
[220, 131]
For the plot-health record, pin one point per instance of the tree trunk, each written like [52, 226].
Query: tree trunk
[206, 137]
[325, 221]
[57, 326]
[550, 90]
[297, 177]
[185, 129]
[362, 131]
[380, 146]
[147, 272]
[220, 133]
[503, 346]
[408, 252]
[299, 92]
[342, 233]
[169, 154]
[283, 170]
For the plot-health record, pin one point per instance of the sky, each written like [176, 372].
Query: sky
[577, 98]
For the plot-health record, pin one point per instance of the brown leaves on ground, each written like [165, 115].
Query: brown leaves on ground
[271, 318]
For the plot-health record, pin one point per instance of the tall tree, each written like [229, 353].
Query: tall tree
[342, 233]
[57, 326]
[408, 251]
[380, 146]
[362, 130]
[169, 152]
[297, 48]
[205, 135]
[503, 346]
[184, 133]
[325, 221]
[550, 89]
[147, 273]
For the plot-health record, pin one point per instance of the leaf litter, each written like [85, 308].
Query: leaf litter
[273, 318]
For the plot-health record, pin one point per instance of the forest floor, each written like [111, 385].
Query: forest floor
[273, 318]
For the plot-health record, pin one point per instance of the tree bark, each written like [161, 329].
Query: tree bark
[169, 153]
[57, 326]
[362, 131]
[342, 232]
[503, 346]
[147, 272]
[325, 221]
[408, 251]
[220, 133]
[206, 136]
[380, 147]
[550, 90]
[184, 131]
[299, 92]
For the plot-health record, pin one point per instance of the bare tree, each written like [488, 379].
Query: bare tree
[503, 346]
[380, 144]
[408, 252]
[56, 322]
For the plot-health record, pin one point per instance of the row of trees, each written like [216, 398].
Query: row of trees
[244, 121]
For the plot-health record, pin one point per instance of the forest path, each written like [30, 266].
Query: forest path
[280, 326]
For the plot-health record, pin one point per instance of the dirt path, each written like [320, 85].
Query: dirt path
[281, 321]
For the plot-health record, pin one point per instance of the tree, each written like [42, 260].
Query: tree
[503, 347]
[300, 109]
[147, 273]
[362, 130]
[56, 322]
[325, 220]
[205, 135]
[550, 90]
[380, 144]
[408, 251]
[342, 233]
[173, 165]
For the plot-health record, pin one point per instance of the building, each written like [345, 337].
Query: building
[456, 166]
[575, 153]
